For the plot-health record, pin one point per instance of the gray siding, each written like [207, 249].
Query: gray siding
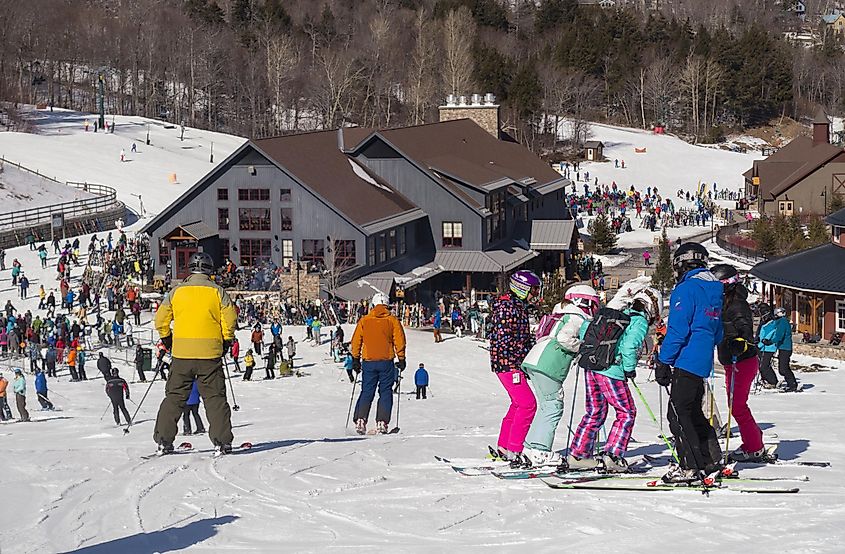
[433, 199]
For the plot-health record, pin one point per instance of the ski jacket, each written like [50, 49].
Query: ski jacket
[104, 366]
[236, 349]
[71, 357]
[438, 319]
[3, 384]
[19, 385]
[738, 323]
[510, 335]
[203, 317]
[194, 397]
[552, 355]
[50, 358]
[40, 383]
[115, 387]
[249, 360]
[276, 329]
[628, 347]
[378, 336]
[695, 323]
[257, 336]
[291, 348]
[783, 334]
[421, 377]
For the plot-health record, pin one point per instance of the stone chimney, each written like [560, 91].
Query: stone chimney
[821, 128]
[482, 109]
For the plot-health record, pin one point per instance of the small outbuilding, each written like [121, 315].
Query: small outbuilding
[594, 150]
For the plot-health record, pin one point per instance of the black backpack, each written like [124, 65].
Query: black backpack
[598, 350]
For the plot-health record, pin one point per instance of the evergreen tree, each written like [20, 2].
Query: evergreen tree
[817, 233]
[604, 239]
[837, 202]
[764, 236]
[552, 13]
[664, 276]
[553, 290]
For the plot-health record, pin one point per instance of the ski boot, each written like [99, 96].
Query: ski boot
[614, 464]
[361, 426]
[785, 387]
[222, 449]
[679, 476]
[381, 427]
[521, 461]
[581, 464]
[740, 455]
[539, 458]
[200, 431]
[165, 448]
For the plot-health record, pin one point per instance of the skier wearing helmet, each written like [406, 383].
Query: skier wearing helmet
[686, 360]
[610, 387]
[548, 363]
[378, 337]
[510, 342]
[738, 355]
[776, 336]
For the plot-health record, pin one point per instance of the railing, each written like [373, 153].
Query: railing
[743, 249]
[105, 198]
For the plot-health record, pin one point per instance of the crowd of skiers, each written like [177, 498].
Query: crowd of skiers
[709, 311]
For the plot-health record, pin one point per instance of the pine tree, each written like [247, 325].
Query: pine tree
[764, 236]
[664, 275]
[837, 202]
[817, 232]
[604, 239]
[553, 290]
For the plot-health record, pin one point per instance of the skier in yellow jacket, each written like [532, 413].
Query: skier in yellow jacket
[204, 320]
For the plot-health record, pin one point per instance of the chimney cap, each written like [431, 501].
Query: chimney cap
[476, 99]
[821, 118]
[450, 99]
[462, 100]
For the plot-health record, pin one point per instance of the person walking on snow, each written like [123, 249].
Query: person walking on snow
[776, 336]
[738, 355]
[686, 360]
[19, 388]
[116, 388]
[5, 412]
[249, 362]
[378, 338]
[548, 364]
[510, 341]
[192, 407]
[647, 257]
[41, 391]
[610, 387]
[236, 352]
[421, 381]
[204, 321]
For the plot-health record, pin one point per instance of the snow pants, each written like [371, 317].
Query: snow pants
[381, 375]
[118, 405]
[517, 421]
[20, 400]
[742, 375]
[44, 401]
[549, 398]
[192, 410]
[5, 412]
[695, 439]
[212, 387]
[602, 391]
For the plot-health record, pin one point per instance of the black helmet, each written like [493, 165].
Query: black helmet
[727, 274]
[201, 263]
[688, 256]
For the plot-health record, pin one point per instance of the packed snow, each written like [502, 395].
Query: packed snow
[22, 190]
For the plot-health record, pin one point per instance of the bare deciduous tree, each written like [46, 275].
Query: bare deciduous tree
[458, 36]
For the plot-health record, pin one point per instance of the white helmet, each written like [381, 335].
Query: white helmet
[583, 296]
[380, 298]
[780, 312]
[653, 302]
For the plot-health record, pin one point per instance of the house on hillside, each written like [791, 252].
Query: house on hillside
[835, 22]
[594, 150]
[801, 177]
[810, 284]
[445, 206]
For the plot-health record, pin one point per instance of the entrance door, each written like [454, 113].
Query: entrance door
[183, 256]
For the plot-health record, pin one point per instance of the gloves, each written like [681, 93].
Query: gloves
[662, 373]
[167, 342]
[227, 346]
[356, 365]
[767, 342]
[401, 364]
[127, 397]
[737, 346]
[632, 374]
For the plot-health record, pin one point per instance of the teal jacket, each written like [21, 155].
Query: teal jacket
[779, 332]
[19, 385]
[628, 347]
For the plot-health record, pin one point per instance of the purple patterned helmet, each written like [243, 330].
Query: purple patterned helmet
[522, 282]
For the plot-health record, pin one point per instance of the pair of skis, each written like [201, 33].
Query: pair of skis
[187, 448]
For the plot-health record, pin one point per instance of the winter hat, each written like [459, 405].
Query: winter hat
[18, 370]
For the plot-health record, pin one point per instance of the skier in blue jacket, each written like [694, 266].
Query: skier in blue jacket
[192, 406]
[421, 381]
[776, 336]
[686, 360]
[41, 390]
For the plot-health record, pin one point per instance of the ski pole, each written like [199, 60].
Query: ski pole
[105, 411]
[351, 398]
[654, 418]
[60, 395]
[235, 406]
[398, 401]
[572, 411]
[141, 403]
[129, 399]
[660, 392]
[730, 409]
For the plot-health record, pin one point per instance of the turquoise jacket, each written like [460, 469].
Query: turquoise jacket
[19, 385]
[779, 331]
[628, 347]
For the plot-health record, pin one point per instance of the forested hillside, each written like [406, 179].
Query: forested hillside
[261, 67]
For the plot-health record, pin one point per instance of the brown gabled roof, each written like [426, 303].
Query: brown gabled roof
[477, 158]
[352, 136]
[315, 159]
[792, 163]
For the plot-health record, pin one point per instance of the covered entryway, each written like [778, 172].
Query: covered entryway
[185, 241]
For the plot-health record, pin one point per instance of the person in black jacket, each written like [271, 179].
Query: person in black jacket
[116, 387]
[139, 363]
[738, 354]
[104, 366]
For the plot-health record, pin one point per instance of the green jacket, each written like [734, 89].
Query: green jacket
[628, 347]
[552, 355]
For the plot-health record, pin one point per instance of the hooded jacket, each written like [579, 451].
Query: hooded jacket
[628, 347]
[695, 323]
[738, 323]
[553, 354]
[510, 336]
[378, 336]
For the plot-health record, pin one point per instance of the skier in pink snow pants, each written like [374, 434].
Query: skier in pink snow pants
[510, 341]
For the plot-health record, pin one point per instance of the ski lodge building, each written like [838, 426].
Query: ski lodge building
[800, 178]
[438, 207]
[810, 284]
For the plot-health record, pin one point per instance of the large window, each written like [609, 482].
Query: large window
[371, 250]
[163, 251]
[453, 234]
[223, 218]
[258, 195]
[255, 251]
[496, 222]
[313, 250]
[840, 316]
[287, 219]
[284, 195]
[401, 245]
[222, 194]
[344, 253]
[391, 244]
[287, 252]
[381, 247]
[224, 249]
[254, 219]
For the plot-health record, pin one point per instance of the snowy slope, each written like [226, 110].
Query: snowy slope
[61, 148]
[20, 190]
[71, 482]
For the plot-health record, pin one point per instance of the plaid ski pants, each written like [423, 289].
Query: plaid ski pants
[601, 392]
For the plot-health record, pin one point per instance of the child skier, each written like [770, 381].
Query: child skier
[192, 407]
[249, 362]
[738, 355]
[269, 372]
[349, 366]
[610, 386]
[421, 381]
[686, 360]
[548, 363]
[510, 342]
